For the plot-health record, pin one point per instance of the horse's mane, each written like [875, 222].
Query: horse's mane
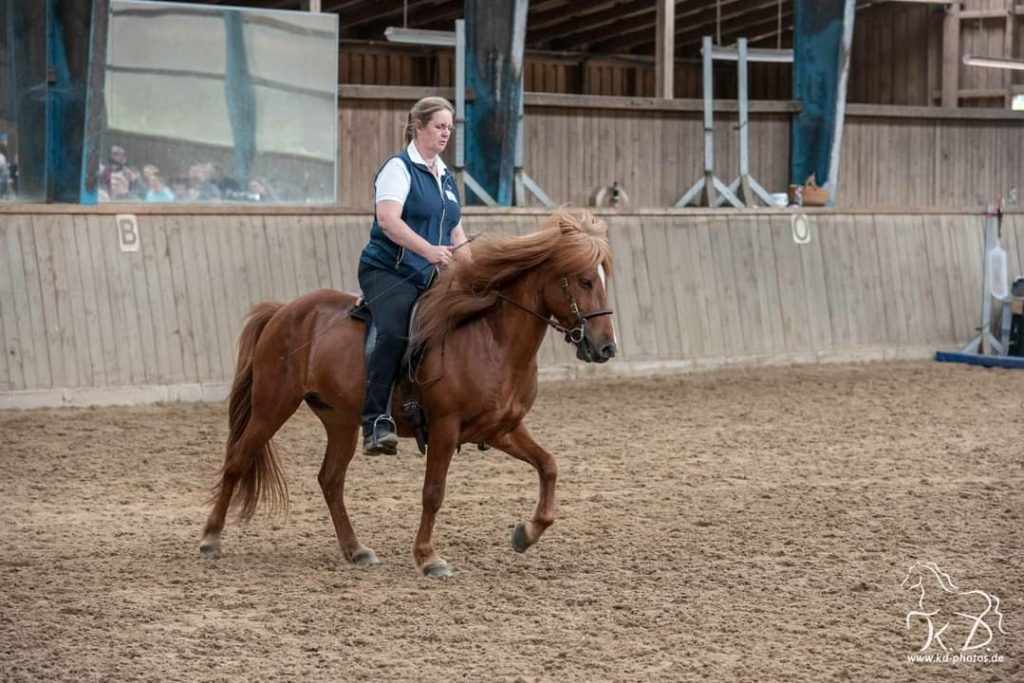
[569, 242]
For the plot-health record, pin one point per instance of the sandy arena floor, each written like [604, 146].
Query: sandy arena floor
[746, 525]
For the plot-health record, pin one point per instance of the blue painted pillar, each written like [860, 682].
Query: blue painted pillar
[49, 43]
[241, 95]
[495, 39]
[68, 33]
[26, 40]
[820, 59]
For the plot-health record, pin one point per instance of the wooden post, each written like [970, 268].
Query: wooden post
[951, 56]
[846, 44]
[310, 5]
[95, 78]
[495, 42]
[1008, 40]
[665, 42]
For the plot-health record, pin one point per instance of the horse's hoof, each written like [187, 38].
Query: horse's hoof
[437, 570]
[520, 543]
[364, 558]
[209, 551]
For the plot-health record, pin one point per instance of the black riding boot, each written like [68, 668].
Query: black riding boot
[379, 431]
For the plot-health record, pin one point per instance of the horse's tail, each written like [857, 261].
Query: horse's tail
[262, 478]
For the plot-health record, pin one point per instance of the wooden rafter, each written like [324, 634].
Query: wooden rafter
[568, 25]
[642, 22]
[438, 16]
[359, 14]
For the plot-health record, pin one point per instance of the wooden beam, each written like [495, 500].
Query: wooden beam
[984, 13]
[359, 14]
[664, 51]
[755, 15]
[643, 22]
[933, 45]
[951, 56]
[1009, 29]
[635, 34]
[440, 16]
[562, 25]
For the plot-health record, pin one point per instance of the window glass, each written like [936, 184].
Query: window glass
[213, 104]
[23, 101]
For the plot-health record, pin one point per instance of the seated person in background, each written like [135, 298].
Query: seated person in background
[179, 188]
[226, 185]
[158, 191]
[119, 188]
[118, 163]
[260, 191]
[200, 189]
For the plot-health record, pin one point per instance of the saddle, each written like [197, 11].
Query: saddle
[411, 412]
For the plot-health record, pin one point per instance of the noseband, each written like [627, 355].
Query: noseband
[573, 335]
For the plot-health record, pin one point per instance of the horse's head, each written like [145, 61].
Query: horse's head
[575, 290]
[580, 304]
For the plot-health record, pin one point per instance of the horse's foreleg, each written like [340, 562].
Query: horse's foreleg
[440, 448]
[341, 446]
[519, 444]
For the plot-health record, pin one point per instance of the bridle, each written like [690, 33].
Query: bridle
[573, 335]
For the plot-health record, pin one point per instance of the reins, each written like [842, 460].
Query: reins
[573, 335]
[348, 314]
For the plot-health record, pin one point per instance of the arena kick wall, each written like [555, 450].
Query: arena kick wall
[84, 323]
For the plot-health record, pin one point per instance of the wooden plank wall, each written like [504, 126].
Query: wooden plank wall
[921, 161]
[891, 158]
[76, 312]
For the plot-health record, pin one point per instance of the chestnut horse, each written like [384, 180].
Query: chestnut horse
[480, 327]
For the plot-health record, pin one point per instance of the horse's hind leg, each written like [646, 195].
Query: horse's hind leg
[249, 459]
[520, 445]
[342, 438]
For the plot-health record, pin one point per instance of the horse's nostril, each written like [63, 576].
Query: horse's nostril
[608, 351]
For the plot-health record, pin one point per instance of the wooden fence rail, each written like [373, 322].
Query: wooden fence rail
[82, 321]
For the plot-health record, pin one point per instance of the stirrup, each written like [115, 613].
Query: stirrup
[383, 439]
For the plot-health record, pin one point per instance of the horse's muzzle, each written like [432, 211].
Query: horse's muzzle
[589, 352]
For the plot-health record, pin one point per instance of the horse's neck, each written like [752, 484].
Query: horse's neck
[518, 333]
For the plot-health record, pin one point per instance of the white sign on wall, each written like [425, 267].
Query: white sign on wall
[127, 231]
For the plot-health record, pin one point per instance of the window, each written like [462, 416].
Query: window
[207, 103]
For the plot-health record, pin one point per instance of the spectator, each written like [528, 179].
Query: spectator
[118, 163]
[119, 187]
[179, 187]
[200, 189]
[260, 191]
[158, 191]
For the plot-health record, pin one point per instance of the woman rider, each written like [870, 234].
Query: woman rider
[417, 224]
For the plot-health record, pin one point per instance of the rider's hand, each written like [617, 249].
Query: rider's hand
[438, 255]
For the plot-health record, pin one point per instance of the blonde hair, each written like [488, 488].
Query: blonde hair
[422, 112]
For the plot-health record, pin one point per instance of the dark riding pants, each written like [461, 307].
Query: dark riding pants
[390, 301]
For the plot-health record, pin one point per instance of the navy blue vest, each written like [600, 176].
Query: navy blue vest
[432, 214]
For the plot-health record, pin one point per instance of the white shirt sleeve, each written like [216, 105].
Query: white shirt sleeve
[393, 182]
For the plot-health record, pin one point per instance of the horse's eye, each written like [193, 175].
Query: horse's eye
[586, 283]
